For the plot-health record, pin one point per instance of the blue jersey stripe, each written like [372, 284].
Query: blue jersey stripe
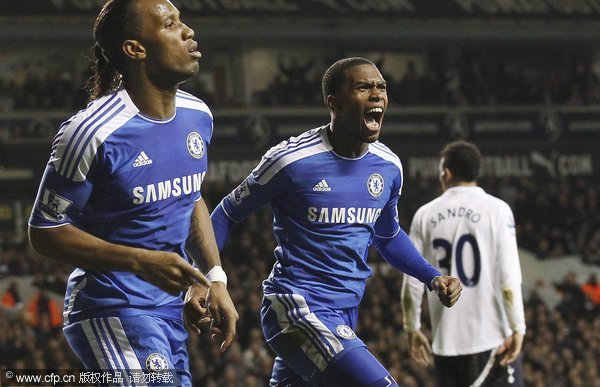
[289, 147]
[56, 139]
[183, 92]
[98, 337]
[113, 337]
[110, 352]
[187, 96]
[384, 149]
[387, 154]
[83, 131]
[115, 349]
[292, 148]
[320, 342]
[90, 137]
[79, 132]
[63, 167]
[293, 309]
[282, 155]
[291, 312]
[318, 338]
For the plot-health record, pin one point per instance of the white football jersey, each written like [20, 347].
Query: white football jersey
[468, 234]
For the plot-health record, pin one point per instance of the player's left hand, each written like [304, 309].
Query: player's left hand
[511, 348]
[195, 311]
[224, 315]
[448, 289]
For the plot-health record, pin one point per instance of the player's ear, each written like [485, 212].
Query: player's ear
[134, 49]
[331, 102]
[447, 174]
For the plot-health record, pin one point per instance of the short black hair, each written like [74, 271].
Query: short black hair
[463, 159]
[335, 73]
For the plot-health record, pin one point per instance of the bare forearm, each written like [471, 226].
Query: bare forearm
[70, 245]
[201, 243]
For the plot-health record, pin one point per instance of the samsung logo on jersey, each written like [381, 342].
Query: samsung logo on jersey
[343, 215]
[169, 188]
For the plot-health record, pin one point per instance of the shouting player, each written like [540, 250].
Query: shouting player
[334, 192]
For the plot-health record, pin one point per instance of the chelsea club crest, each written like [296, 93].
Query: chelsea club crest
[375, 185]
[195, 145]
[345, 331]
[156, 362]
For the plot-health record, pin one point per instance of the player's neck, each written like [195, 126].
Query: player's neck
[152, 101]
[462, 184]
[343, 146]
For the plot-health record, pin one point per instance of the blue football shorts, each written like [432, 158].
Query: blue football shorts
[132, 351]
[316, 345]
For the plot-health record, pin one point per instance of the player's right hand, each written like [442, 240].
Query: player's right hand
[448, 289]
[168, 271]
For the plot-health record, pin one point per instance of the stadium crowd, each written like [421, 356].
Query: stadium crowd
[557, 218]
[474, 78]
[562, 347]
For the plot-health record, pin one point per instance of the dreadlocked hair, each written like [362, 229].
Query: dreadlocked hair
[116, 22]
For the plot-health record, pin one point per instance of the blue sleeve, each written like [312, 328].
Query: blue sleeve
[249, 196]
[59, 199]
[402, 255]
[222, 225]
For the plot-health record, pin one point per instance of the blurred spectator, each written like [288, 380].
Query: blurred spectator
[295, 79]
[44, 310]
[546, 293]
[11, 299]
[572, 301]
[591, 290]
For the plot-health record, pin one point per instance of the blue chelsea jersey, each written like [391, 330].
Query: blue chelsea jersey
[327, 209]
[130, 180]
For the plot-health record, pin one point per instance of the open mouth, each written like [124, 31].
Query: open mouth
[373, 118]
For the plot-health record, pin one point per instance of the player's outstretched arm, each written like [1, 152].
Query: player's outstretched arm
[401, 253]
[447, 288]
[73, 246]
[419, 347]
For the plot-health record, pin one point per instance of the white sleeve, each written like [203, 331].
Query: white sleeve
[412, 297]
[513, 304]
[510, 271]
[412, 289]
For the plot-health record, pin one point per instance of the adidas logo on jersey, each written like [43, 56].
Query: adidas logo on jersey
[322, 186]
[142, 160]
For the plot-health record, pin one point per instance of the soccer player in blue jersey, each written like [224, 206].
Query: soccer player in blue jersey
[334, 191]
[121, 201]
